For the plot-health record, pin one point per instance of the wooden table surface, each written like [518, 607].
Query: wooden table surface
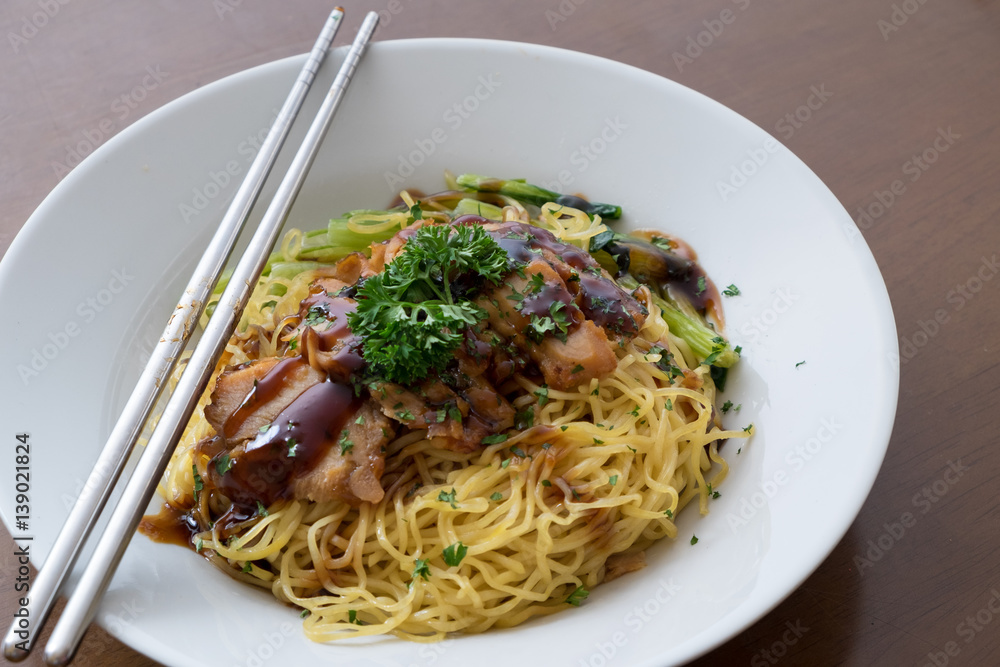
[890, 84]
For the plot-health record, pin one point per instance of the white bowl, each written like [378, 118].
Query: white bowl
[89, 282]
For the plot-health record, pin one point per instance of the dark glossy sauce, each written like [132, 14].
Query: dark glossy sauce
[300, 435]
[601, 300]
[170, 526]
[337, 335]
[691, 281]
[263, 391]
[540, 303]
[522, 243]
[604, 303]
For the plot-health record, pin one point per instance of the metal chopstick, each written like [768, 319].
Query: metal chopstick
[142, 484]
[44, 589]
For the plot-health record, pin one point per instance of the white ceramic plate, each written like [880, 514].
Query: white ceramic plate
[90, 280]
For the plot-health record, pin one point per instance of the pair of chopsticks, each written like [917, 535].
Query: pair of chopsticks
[139, 489]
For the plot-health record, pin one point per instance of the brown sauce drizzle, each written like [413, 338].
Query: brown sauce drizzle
[337, 336]
[540, 303]
[169, 526]
[263, 391]
[604, 303]
[300, 435]
[601, 300]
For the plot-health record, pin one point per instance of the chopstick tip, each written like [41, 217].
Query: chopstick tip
[59, 657]
[13, 653]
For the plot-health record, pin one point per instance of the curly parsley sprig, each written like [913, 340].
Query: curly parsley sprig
[412, 316]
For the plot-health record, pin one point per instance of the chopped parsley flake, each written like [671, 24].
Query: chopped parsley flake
[223, 465]
[454, 553]
[543, 395]
[495, 439]
[316, 315]
[731, 290]
[261, 510]
[496, 496]
[799, 364]
[421, 568]
[694, 540]
[701, 286]
[346, 445]
[198, 484]
[669, 513]
[448, 497]
[352, 615]
[613, 480]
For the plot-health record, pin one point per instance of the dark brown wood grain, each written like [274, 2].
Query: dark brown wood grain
[888, 94]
